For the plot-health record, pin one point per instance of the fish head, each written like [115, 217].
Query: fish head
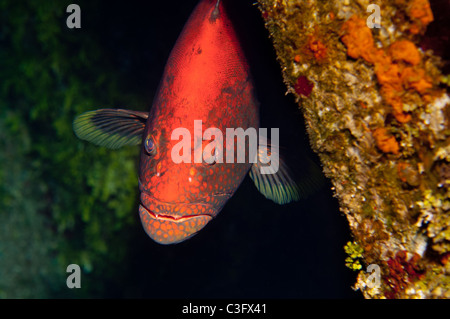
[178, 199]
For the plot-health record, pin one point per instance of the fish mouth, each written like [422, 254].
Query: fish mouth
[167, 229]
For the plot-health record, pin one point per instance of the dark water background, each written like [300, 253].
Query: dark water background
[254, 248]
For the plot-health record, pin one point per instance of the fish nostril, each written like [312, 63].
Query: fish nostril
[159, 170]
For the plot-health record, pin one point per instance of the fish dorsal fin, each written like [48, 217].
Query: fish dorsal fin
[215, 13]
[112, 128]
[279, 184]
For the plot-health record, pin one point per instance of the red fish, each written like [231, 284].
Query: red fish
[206, 79]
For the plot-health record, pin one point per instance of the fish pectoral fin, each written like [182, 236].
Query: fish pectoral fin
[274, 179]
[112, 128]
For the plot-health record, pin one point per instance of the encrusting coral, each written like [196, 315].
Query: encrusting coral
[377, 113]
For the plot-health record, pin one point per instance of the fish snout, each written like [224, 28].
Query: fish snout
[165, 229]
[172, 223]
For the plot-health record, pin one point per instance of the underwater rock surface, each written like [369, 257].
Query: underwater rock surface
[377, 110]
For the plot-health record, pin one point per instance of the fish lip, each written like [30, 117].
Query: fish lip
[167, 230]
[176, 219]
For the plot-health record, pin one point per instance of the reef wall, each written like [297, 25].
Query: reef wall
[377, 110]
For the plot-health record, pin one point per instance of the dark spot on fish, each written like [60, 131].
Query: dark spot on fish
[199, 50]
[228, 90]
[164, 139]
[161, 174]
[212, 116]
[169, 79]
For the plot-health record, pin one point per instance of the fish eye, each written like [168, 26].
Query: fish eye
[150, 146]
